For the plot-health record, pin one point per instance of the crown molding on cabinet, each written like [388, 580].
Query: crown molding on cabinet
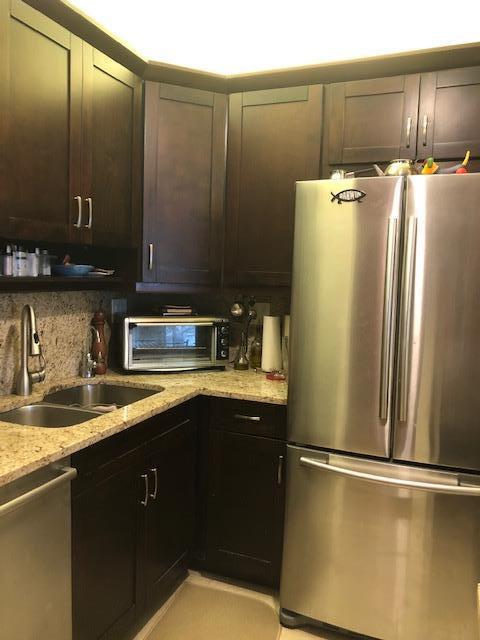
[375, 67]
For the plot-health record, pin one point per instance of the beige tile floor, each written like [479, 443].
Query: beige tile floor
[266, 597]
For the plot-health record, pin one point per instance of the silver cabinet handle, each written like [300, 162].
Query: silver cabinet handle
[89, 202]
[144, 502]
[408, 132]
[396, 482]
[240, 416]
[406, 312]
[425, 129]
[153, 494]
[68, 473]
[78, 223]
[150, 256]
[385, 366]
[281, 460]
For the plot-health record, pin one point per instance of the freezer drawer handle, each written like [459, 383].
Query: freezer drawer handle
[397, 482]
[68, 473]
[388, 318]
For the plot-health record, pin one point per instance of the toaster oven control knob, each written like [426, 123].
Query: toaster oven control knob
[223, 353]
[224, 330]
[224, 342]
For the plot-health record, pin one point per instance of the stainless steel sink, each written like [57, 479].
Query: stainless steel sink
[99, 396]
[46, 415]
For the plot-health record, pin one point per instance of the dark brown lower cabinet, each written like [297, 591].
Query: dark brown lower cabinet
[246, 499]
[133, 511]
[140, 508]
[105, 518]
[170, 514]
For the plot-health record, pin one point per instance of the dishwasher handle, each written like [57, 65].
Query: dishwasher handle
[455, 489]
[68, 473]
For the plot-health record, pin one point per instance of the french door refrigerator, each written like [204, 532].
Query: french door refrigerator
[382, 533]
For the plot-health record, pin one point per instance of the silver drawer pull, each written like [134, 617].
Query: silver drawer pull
[409, 131]
[89, 201]
[144, 502]
[78, 223]
[425, 129]
[150, 256]
[281, 460]
[153, 495]
[240, 416]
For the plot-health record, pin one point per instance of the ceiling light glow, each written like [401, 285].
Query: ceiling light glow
[239, 37]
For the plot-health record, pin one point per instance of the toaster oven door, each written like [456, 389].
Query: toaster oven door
[178, 346]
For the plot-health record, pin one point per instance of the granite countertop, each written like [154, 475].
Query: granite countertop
[25, 449]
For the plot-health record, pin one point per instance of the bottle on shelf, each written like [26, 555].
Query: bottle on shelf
[45, 259]
[21, 268]
[8, 261]
[32, 264]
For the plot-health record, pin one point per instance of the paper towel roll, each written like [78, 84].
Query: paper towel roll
[271, 345]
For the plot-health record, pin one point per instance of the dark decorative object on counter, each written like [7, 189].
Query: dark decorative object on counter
[243, 309]
[99, 349]
[256, 348]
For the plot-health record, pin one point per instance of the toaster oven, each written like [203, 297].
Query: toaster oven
[174, 343]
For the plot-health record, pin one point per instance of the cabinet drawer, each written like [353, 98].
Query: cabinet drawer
[104, 458]
[244, 416]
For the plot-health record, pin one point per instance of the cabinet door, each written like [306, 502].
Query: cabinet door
[371, 120]
[40, 120]
[183, 185]
[449, 114]
[105, 523]
[170, 513]
[112, 128]
[274, 139]
[245, 506]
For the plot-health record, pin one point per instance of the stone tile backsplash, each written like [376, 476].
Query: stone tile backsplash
[63, 320]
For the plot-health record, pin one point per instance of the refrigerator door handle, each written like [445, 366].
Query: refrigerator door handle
[388, 318]
[406, 313]
[396, 482]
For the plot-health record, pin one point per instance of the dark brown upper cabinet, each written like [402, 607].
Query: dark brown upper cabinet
[449, 114]
[371, 120]
[184, 178]
[70, 135]
[40, 125]
[274, 139]
[112, 151]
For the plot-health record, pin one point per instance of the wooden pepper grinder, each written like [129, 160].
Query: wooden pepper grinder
[99, 344]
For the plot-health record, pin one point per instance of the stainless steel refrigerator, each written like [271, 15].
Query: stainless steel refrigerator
[382, 534]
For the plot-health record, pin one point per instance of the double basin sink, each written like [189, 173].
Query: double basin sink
[74, 405]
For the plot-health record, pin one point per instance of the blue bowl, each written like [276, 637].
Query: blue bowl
[71, 270]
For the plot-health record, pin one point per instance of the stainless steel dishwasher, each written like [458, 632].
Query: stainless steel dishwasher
[35, 555]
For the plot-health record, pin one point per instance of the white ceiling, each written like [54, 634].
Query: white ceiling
[255, 35]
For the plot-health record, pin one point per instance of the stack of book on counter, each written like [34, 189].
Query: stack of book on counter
[177, 310]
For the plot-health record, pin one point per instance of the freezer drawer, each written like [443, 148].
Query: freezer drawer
[386, 560]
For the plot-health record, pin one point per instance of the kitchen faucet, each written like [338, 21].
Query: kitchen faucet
[88, 366]
[30, 347]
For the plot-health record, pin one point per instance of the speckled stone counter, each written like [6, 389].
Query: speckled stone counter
[25, 449]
